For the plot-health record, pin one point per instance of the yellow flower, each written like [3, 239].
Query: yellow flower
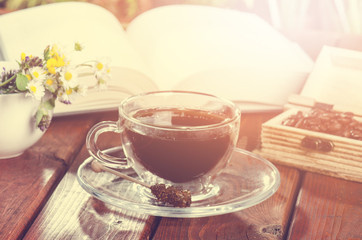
[56, 54]
[54, 50]
[23, 56]
[59, 61]
[51, 64]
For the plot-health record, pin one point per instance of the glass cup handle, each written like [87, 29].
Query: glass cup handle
[95, 152]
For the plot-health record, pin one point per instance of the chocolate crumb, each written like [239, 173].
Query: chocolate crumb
[175, 196]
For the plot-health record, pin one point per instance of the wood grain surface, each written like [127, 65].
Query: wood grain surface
[268, 220]
[72, 213]
[28, 180]
[40, 197]
[88, 218]
[327, 208]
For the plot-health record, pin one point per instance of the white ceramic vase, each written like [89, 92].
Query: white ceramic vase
[18, 130]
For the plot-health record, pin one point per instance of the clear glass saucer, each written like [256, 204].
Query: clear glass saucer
[247, 180]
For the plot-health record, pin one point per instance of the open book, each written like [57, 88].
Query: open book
[228, 53]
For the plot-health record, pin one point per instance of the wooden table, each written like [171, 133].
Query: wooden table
[40, 198]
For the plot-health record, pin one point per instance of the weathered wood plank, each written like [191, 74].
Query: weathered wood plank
[71, 213]
[268, 220]
[327, 208]
[27, 181]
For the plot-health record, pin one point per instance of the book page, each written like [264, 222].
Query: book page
[31, 30]
[248, 89]
[184, 42]
[125, 82]
[336, 78]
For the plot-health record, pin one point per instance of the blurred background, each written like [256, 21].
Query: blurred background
[310, 23]
[342, 16]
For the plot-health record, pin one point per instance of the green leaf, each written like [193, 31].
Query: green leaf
[39, 116]
[49, 105]
[21, 82]
[47, 53]
[78, 46]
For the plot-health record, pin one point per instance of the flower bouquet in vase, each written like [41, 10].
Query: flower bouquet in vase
[30, 90]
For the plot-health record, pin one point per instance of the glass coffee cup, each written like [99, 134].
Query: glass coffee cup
[177, 138]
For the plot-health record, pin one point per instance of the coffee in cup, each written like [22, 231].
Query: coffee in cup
[173, 137]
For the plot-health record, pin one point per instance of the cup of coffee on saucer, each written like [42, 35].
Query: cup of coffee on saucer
[177, 138]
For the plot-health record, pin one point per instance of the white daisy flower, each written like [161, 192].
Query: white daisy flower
[50, 83]
[69, 78]
[102, 72]
[101, 68]
[36, 89]
[37, 73]
[67, 96]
